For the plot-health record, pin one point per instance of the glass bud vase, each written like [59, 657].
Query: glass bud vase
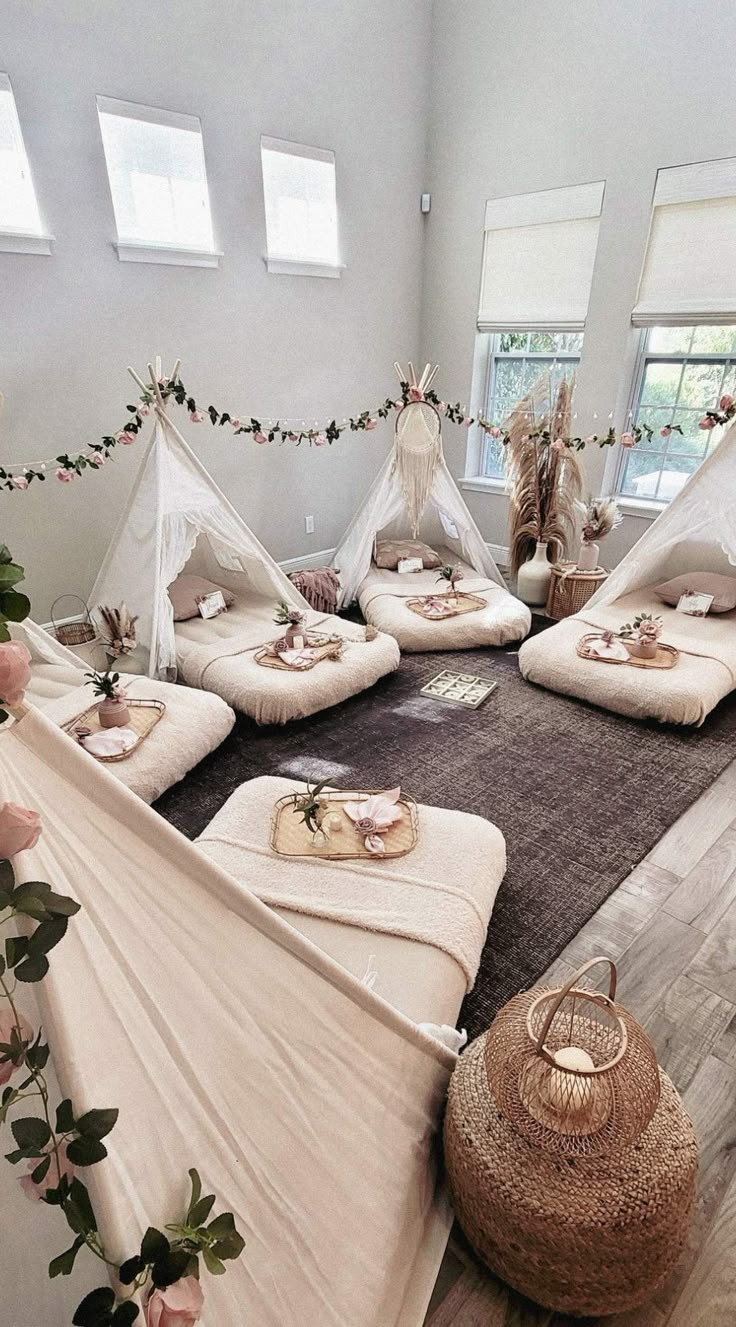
[532, 584]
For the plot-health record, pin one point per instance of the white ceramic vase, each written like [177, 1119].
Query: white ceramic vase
[532, 585]
[588, 556]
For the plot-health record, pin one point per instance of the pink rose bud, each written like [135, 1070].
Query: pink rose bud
[441, 406]
[320, 440]
[15, 672]
[468, 421]
[371, 423]
[7, 1023]
[415, 394]
[20, 481]
[259, 437]
[398, 405]
[558, 445]
[495, 432]
[726, 402]
[293, 437]
[19, 829]
[665, 432]
[179, 1305]
[196, 416]
[627, 440]
[235, 423]
[126, 438]
[52, 1177]
[144, 410]
[64, 476]
[707, 422]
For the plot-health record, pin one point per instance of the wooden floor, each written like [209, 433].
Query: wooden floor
[671, 928]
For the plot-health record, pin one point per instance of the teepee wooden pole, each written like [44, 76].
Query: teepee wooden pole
[140, 381]
[399, 371]
[175, 371]
[431, 377]
[412, 375]
[156, 388]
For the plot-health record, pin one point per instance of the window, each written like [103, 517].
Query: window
[20, 220]
[300, 198]
[683, 372]
[516, 360]
[155, 163]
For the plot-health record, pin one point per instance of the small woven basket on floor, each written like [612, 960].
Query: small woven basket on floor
[570, 589]
[73, 633]
[579, 1196]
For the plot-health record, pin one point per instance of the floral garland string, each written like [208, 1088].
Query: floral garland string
[68, 466]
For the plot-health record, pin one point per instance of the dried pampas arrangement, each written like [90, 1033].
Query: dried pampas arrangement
[119, 635]
[544, 473]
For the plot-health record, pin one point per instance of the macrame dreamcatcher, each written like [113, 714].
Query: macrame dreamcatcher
[418, 443]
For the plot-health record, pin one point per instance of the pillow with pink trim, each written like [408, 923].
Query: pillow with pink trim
[186, 590]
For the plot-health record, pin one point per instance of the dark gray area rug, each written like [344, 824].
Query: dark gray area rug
[580, 795]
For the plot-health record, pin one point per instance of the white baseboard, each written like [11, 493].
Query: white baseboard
[320, 559]
[499, 554]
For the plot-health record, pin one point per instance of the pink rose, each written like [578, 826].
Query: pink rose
[725, 403]
[20, 481]
[52, 1177]
[371, 423]
[398, 405]
[179, 1305]
[707, 422]
[19, 829]
[15, 673]
[628, 440]
[235, 423]
[495, 432]
[320, 440]
[144, 410]
[64, 476]
[442, 406]
[293, 437]
[196, 416]
[126, 438]
[7, 1023]
[665, 432]
[415, 394]
[260, 437]
[558, 445]
[468, 421]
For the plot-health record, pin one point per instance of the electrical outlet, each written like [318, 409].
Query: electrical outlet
[309, 524]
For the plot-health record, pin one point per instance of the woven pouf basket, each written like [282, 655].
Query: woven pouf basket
[581, 1235]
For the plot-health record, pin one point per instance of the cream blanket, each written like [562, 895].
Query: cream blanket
[442, 893]
[382, 595]
[219, 654]
[703, 675]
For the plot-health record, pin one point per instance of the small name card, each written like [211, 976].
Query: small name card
[694, 604]
[210, 605]
[410, 564]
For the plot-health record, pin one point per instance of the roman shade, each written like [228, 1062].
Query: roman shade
[689, 273]
[538, 258]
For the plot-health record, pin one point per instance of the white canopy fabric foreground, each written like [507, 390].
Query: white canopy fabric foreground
[414, 493]
[229, 1043]
[696, 532]
[175, 503]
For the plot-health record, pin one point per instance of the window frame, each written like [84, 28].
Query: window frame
[13, 240]
[643, 358]
[279, 265]
[130, 249]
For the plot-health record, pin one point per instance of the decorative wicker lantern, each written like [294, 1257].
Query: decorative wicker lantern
[570, 1158]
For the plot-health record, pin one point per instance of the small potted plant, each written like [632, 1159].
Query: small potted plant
[295, 636]
[641, 636]
[452, 575]
[600, 517]
[112, 712]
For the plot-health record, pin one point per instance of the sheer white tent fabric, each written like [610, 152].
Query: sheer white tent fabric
[414, 493]
[229, 1043]
[696, 532]
[175, 505]
[45, 648]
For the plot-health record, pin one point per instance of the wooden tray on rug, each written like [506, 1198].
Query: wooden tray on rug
[324, 649]
[144, 715]
[464, 603]
[666, 656]
[290, 837]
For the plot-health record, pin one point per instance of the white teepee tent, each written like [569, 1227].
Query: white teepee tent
[177, 517]
[228, 1042]
[413, 495]
[696, 532]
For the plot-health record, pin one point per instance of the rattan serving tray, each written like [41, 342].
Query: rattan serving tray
[463, 603]
[325, 649]
[666, 656]
[290, 837]
[144, 715]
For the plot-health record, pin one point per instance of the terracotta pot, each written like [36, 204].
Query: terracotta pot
[113, 713]
[532, 583]
[642, 649]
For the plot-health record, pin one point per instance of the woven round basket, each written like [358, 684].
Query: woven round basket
[582, 1235]
[570, 589]
[80, 632]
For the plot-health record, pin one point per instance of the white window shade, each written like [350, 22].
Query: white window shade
[158, 181]
[689, 273]
[300, 198]
[19, 212]
[538, 259]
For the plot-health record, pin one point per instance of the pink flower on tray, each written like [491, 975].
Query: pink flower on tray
[19, 829]
[628, 440]
[125, 438]
[708, 422]
[374, 815]
[15, 671]
[63, 475]
[179, 1305]
[7, 1023]
[36, 1191]
[20, 481]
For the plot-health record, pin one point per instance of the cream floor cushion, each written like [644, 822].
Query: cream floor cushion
[383, 594]
[195, 723]
[685, 694]
[418, 922]
[218, 655]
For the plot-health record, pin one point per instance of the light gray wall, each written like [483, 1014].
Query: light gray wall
[349, 76]
[535, 96]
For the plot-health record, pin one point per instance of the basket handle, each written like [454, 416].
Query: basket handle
[79, 600]
[565, 990]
